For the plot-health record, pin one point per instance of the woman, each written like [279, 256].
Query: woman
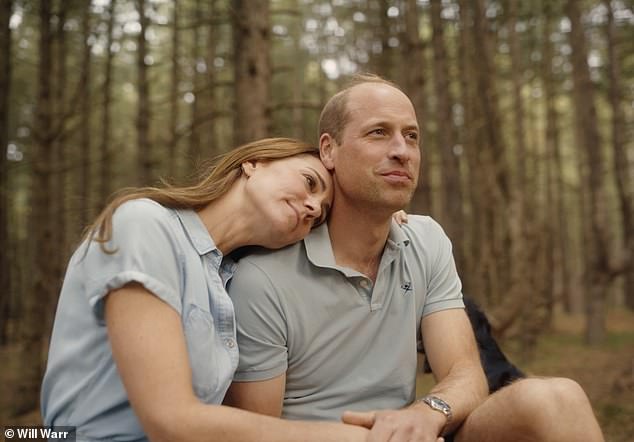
[143, 344]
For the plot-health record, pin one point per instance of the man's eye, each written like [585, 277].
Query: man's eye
[378, 132]
[412, 136]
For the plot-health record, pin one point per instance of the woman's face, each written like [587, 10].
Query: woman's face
[291, 195]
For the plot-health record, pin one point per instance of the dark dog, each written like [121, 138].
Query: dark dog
[498, 369]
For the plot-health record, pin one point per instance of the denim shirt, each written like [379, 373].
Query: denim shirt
[169, 252]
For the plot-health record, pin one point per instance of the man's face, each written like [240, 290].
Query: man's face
[377, 162]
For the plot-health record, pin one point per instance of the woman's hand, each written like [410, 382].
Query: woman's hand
[400, 217]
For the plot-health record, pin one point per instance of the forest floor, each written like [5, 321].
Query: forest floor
[606, 372]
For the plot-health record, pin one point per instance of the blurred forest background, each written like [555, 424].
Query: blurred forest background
[525, 108]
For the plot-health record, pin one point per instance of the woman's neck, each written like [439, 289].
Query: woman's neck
[229, 221]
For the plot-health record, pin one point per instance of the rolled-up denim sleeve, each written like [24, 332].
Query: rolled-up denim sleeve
[143, 250]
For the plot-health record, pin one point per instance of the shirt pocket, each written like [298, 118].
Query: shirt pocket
[200, 334]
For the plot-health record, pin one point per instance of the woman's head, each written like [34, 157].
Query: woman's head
[219, 177]
[224, 171]
[288, 197]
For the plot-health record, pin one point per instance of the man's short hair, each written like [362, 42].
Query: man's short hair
[334, 116]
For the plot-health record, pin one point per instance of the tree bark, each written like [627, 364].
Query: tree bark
[61, 112]
[211, 107]
[6, 9]
[597, 261]
[175, 79]
[524, 244]
[105, 174]
[144, 147]
[619, 156]
[85, 147]
[414, 50]
[473, 276]
[490, 243]
[195, 107]
[252, 69]
[451, 215]
[555, 201]
[44, 277]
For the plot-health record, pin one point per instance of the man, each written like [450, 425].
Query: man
[331, 324]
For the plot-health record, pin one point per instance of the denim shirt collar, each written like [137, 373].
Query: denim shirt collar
[197, 231]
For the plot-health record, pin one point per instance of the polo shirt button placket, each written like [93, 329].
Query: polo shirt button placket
[230, 342]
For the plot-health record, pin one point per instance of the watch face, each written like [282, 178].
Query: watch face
[438, 404]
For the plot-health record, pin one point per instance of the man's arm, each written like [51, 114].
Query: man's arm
[453, 355]
[264, 397]
[455, 361]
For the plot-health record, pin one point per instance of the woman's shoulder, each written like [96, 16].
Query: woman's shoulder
[141, 208]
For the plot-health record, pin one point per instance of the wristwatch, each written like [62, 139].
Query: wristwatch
[439, 405]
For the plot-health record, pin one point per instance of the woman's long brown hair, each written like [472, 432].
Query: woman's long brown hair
[215, 181]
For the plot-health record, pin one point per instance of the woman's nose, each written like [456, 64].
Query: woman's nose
[313, 206]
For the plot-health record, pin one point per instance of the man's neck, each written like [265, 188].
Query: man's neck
[358, 238]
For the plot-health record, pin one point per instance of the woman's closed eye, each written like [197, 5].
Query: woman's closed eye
[311, 182]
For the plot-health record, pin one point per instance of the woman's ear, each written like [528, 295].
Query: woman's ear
[327, 150]
[248, 167]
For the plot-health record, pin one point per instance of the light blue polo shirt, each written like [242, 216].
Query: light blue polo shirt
[344, 342]
[169, 252]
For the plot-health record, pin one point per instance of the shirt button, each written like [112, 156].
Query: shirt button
[364, 283]
[229, 342]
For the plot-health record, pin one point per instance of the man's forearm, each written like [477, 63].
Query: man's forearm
[464, 389]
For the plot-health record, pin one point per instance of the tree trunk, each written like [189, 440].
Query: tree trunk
[298, 85]
[106, 133]
[473, 276]
[414, 50]
[44, 277]
[144, 147]
[619, 156]
[195, 107]
[495, 241]
[252, 69]
[61, 111]
[451, 215]
[6, 8]
[85, 154]
[555, 207]
[524, 244]
[174, 108]
[212, 35]
[597, 259]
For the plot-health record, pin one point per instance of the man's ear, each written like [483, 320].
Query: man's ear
[327, 150]
[248, 167]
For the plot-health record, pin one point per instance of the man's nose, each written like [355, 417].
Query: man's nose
[399, 149]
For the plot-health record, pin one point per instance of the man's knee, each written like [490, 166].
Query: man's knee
[544, 400]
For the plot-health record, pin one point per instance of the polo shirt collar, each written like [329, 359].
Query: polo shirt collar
[397, 237]
[319, 248]
[196, 231]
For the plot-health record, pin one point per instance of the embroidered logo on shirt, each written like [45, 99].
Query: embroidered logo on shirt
[406, 287]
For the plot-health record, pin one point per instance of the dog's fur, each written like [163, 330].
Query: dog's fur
[498, 369]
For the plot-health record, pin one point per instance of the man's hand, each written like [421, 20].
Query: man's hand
[406, 425]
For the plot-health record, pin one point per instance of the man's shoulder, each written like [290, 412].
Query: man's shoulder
[422, 227]
[272, 261]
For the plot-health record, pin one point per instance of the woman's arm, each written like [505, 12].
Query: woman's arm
[150, 352]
